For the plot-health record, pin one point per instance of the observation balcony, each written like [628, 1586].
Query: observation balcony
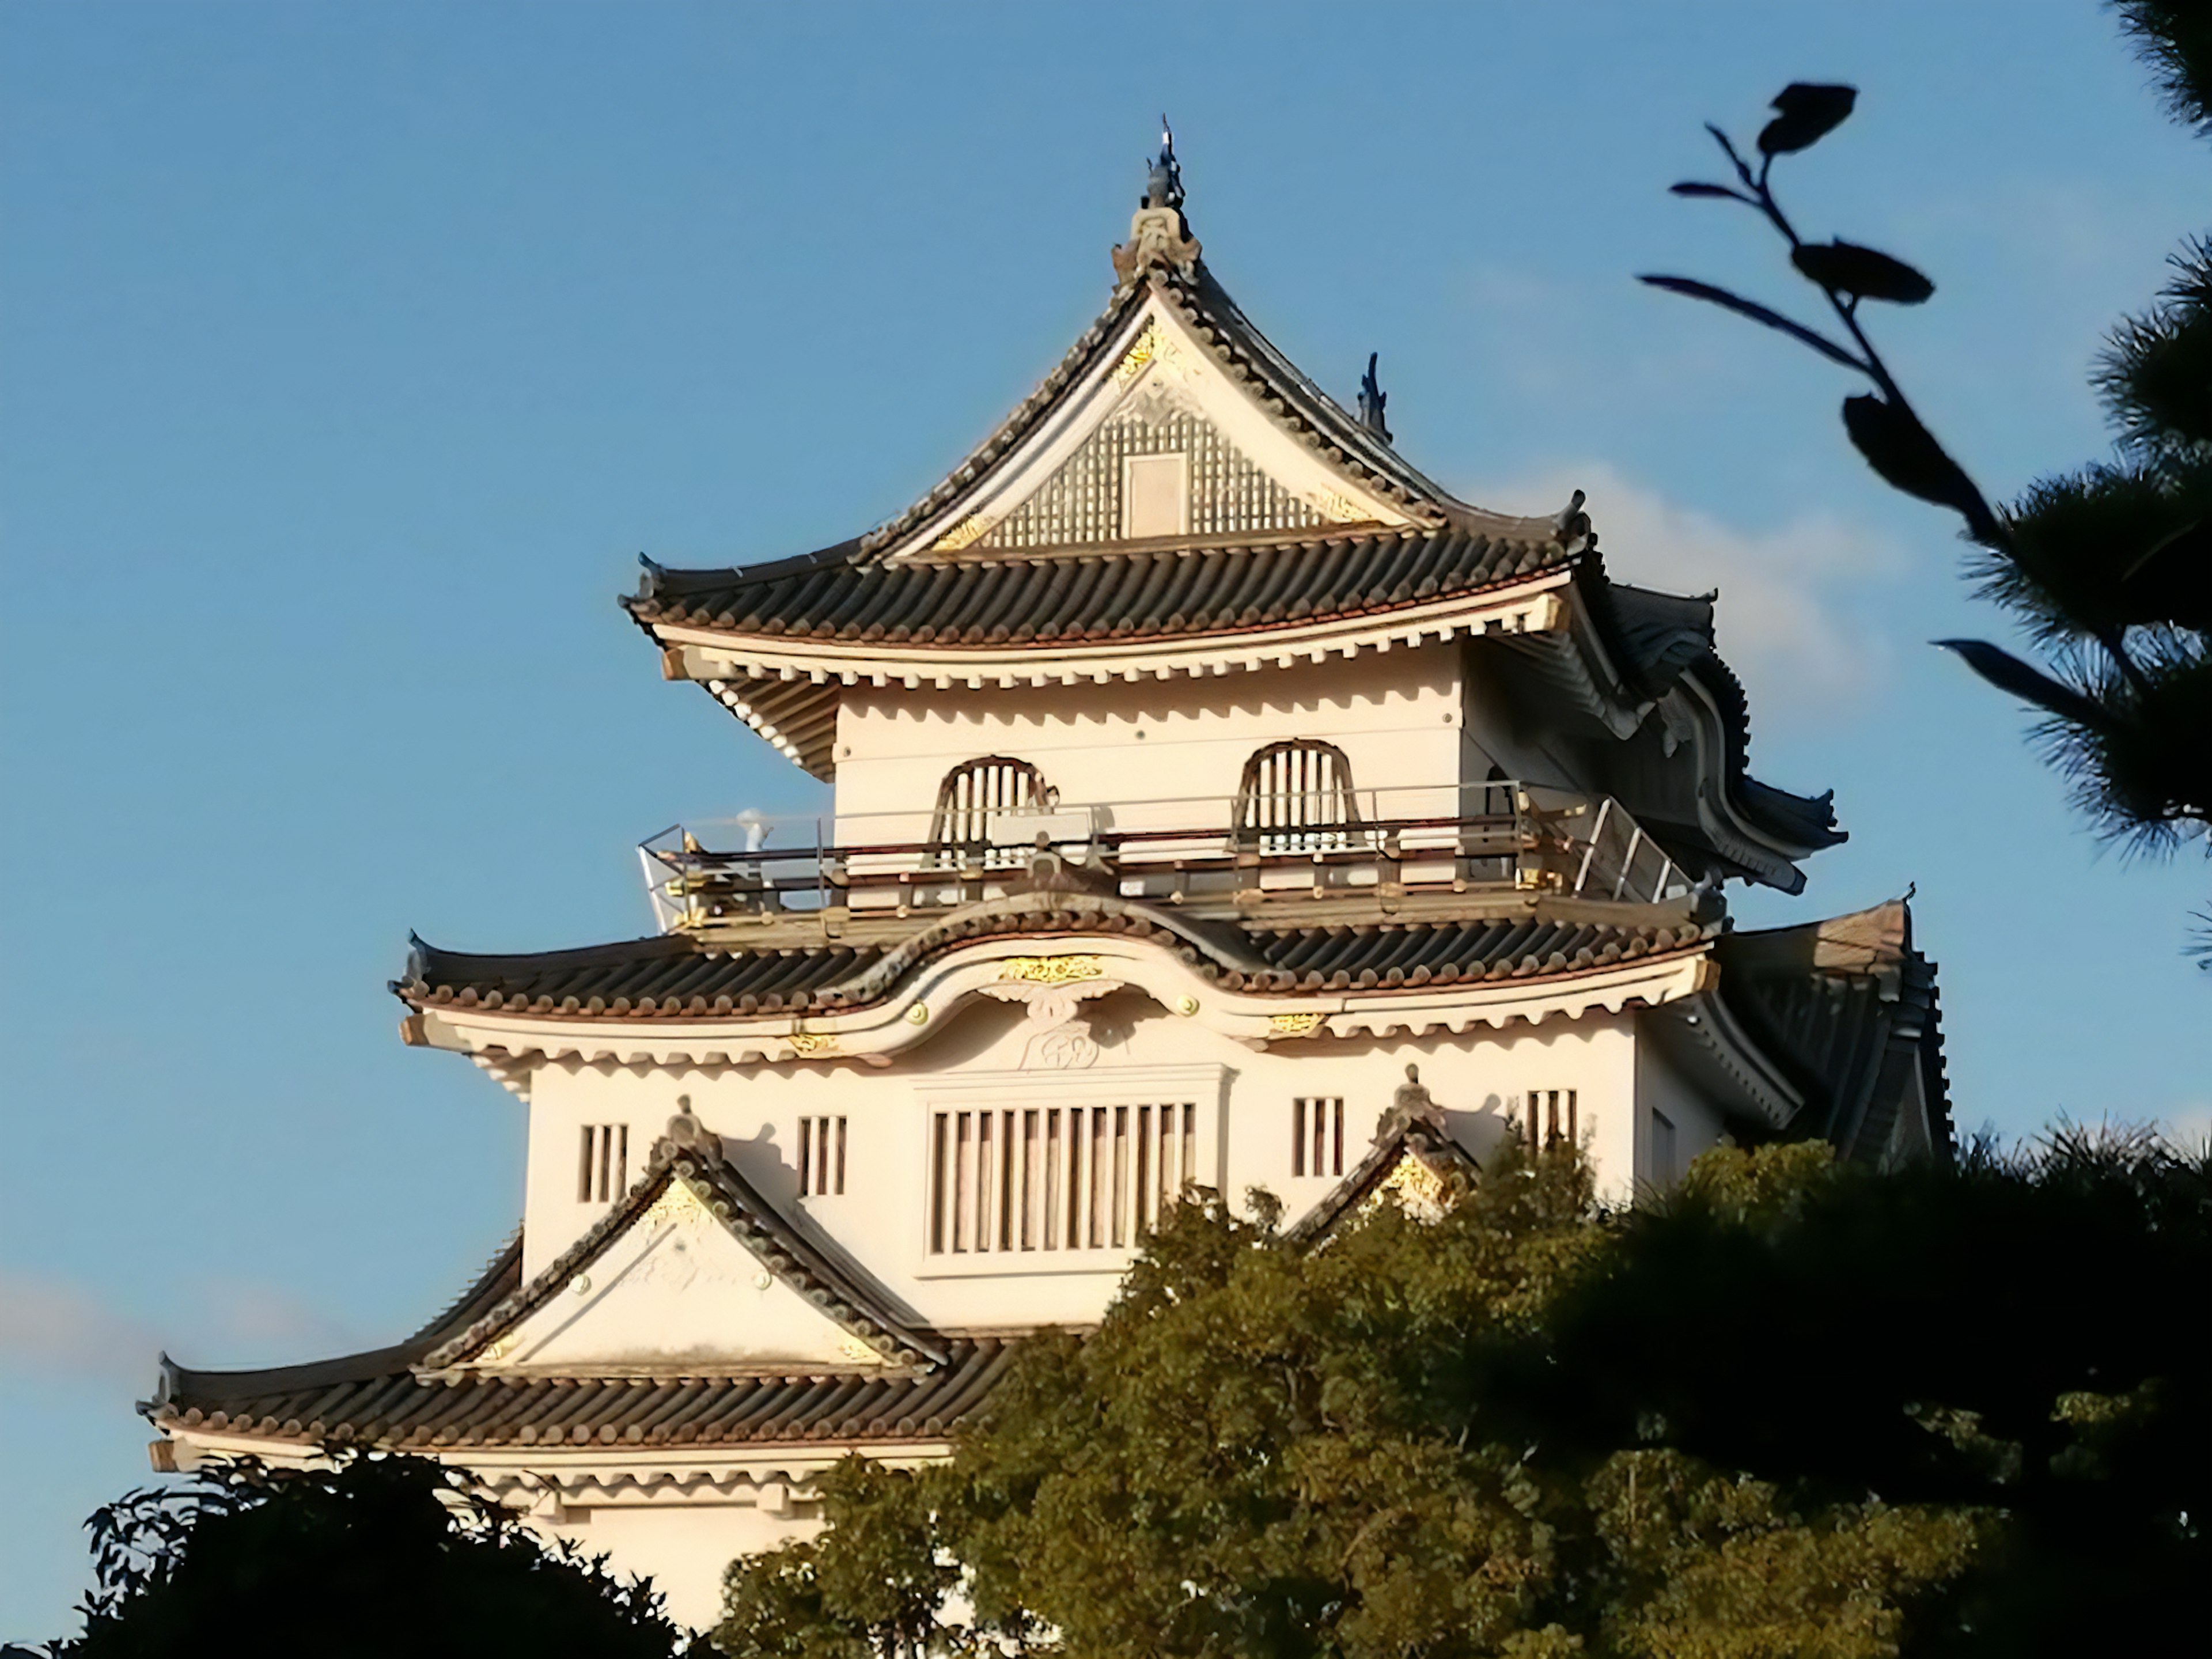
[1241, 855]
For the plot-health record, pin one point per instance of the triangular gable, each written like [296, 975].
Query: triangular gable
[1172, 367]
[1414, 1162]
[694, 1268]
[1161, 396]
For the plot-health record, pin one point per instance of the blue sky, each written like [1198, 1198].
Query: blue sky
[352, 354]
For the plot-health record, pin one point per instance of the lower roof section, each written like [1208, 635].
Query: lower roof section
[399, 1408]
[1848, 1008]
[679, 976]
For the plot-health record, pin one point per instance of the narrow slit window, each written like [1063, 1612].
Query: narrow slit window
[820, 1156]
[1317, 1135]
[1552, 1114]
[602, 1163]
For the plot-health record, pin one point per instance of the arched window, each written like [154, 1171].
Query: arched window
[1297, 797]
[973, 794]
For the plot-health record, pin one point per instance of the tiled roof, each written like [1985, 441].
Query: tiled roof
[1092, 594]
[1849, 1008]
[667, 974]
[421, 1393]
[676, 977]
[393, 1406]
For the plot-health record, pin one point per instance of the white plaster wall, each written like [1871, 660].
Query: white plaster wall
[684, 1547]
[1396, 716]
[1699, 1126]
[880, 1219]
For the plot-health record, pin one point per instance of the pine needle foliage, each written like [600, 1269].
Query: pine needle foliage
[2106, 568]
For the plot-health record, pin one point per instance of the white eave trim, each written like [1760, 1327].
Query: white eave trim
[876, 1035]
[1533, 606]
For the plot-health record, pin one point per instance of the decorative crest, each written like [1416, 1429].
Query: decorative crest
[1372, 398]
[1412, 1104]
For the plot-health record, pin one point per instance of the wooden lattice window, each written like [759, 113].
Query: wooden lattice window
[1297, 797]
[972, 794]
[1032, 1178]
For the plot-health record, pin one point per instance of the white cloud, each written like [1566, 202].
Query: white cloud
[1786, 618]
[57, 1327]
[53, 1327]
[2190, 1126]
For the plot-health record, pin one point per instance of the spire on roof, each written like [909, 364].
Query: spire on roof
[1371, 399]
[1158, 234]
[1163, 185]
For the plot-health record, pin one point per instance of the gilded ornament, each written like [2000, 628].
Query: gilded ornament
[805, 1043]
[677, 1202]
[918, 1014]
[1418, 1190]
[1294, 1024]
[1185, 1006]
[1050, 970]
[1154, 345]
[969, 530]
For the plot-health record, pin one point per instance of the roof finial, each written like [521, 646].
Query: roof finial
[1159, 236]
[1371, 399]
[1163, 184]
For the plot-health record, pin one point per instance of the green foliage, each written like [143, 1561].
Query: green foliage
[2108, 568]
[2002, 1347]
[1794, 1409]
[376, 1556]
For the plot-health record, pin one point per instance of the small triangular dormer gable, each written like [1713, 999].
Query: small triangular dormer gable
[693, 1271]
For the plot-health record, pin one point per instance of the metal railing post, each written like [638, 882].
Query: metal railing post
[1597, 830]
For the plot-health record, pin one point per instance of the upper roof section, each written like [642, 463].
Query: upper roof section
[1194, 479]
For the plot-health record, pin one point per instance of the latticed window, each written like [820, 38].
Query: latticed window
[1296, 798]
[973, 794]
[1035, 1178]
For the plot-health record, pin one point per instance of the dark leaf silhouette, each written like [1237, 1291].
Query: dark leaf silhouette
[1695, 187]
[1863, 273]
[1758, 313]
[1907, 457]
[1807, 113]
[2026, 682]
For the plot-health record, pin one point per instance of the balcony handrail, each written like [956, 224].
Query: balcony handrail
[1531, 835]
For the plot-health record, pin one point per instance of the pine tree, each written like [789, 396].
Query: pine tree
[2107, 568]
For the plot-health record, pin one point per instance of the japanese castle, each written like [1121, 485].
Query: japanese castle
[1218, 803]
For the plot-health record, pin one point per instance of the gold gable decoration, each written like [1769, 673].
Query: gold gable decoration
[1418, 1190]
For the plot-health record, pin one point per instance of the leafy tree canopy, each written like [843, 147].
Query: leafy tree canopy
[376, 1556]
[1797, 1409]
